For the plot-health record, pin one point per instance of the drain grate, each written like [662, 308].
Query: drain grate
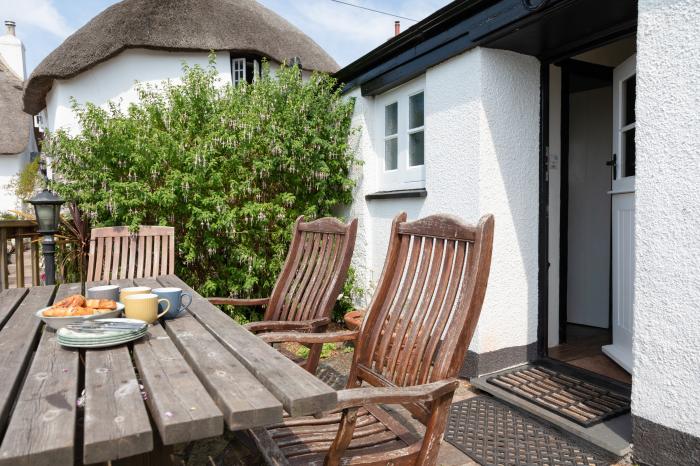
[494, 434]
[579, 401]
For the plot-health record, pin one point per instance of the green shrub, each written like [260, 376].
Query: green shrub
[230, 167]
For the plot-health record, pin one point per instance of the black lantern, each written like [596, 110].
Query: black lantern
[47, 206]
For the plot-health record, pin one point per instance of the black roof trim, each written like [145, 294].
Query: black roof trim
[457, 27]
[411, 37]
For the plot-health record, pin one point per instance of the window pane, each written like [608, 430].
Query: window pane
[415, 149]
[630, 95]
[391, 119]
[391, 154]
[630, 152]
[415, 111]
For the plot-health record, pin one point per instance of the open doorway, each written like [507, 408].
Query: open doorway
[588, 244]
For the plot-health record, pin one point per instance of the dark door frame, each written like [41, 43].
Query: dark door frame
[543, 223]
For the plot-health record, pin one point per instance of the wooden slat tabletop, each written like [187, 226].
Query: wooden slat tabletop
[17, 341]
[300, 392]
[45, 408]
[199, 372]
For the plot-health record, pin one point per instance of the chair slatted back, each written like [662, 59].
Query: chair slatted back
[315, 270]
[116, 253]
[427, 303]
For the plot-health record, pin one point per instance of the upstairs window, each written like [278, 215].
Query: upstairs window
[401, 150]
[244, 69]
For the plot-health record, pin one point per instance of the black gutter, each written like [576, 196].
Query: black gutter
[411, 37]
[454, 29]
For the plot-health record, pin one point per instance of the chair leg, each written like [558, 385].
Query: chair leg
[434, 430]
[343, 437]
[313, 358]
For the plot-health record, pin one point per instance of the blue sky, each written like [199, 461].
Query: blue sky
[345, 32]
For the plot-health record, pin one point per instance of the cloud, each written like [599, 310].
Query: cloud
[41, 14]
[347, 33]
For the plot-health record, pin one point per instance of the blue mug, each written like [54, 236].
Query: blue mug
[175, 297]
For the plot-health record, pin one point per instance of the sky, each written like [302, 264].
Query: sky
[346, 33]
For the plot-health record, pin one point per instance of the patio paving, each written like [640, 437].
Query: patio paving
[234, 449]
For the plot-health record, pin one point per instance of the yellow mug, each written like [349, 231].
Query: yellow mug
[144, 307]
[132, 290]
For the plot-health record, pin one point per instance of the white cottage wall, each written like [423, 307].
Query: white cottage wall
[481, 146]
[667, 280]
[115, 80]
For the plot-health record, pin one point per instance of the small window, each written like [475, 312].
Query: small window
[391, 136]
[238, 70]
[629, 152]
[415, 130]
[400, 137]
[245, 69]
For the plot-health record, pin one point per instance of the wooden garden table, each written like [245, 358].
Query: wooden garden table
[200, 372]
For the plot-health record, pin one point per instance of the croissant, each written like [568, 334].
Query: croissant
[101, 304]
[68, 311]
[71, 301]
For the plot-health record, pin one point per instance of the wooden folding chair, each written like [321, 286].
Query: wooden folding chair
[116, 253]
[410, 347]
[312, 277]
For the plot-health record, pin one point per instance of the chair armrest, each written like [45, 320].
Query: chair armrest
[282, 325]
[239, 301]
[356, 397]
[309, 338]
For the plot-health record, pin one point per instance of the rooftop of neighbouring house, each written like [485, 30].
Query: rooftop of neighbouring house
[15, 125]
[175, 25]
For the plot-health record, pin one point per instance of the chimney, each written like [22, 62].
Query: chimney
[12, 50]
[397, 28]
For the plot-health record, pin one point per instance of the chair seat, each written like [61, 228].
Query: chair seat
[305, 440]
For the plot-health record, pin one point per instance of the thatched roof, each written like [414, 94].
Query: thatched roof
[237, 25]
[15, 125]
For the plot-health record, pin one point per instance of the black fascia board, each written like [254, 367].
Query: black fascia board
[450, 31]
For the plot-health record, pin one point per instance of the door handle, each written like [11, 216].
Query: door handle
[613, 163]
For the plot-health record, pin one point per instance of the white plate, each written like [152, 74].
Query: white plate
[101, 345]
[60, 322]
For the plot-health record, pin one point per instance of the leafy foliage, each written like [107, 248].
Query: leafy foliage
[230, 167]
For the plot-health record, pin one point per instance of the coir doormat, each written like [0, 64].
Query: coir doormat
[579, 401]
[494, 434]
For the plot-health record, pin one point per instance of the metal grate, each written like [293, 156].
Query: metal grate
[493, 434]
[579, 401]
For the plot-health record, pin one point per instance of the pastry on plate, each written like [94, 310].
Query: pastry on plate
[102, 304]
[70, 301]
[73, 311]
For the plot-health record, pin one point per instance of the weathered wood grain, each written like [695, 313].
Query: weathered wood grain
[9, 300]
[244, 401]
[179, 404]
[299, 391]
[17, 340]
[116, 422]
[116, 253]
[42, 426]
[411, 346]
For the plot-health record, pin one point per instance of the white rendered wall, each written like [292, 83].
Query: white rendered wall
[13, 52]
[481, 150]
[10, 165]
[115, 80]
[667, 279]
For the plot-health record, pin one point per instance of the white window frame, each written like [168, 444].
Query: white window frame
[405, 176]
[238, 66]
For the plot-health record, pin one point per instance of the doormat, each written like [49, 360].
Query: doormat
[577, 400]
[494, 434]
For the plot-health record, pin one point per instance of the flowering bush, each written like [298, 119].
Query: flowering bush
[230, 167]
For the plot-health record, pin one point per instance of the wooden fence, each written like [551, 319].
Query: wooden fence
[16, 237]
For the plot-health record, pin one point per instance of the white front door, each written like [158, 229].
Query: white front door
[624, 95]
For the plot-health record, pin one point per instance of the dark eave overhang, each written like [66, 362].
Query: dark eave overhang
[505, 24]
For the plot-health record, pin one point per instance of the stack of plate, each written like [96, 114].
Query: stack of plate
[101, 333]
